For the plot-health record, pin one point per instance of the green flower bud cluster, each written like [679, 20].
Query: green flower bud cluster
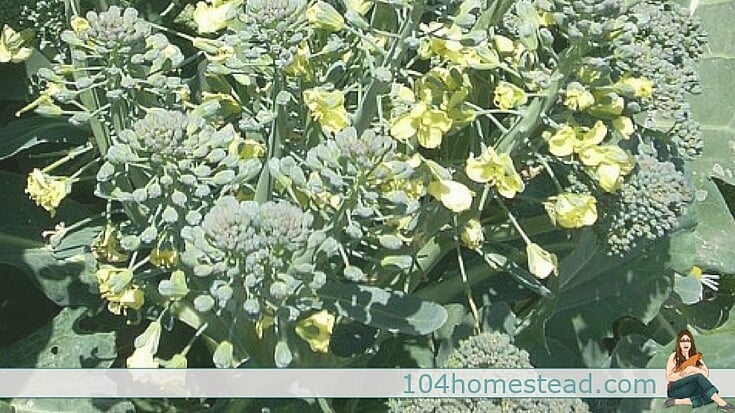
[488, 350]
[274, 13]
[171, 165]
[665, 47]
[647, 207]
[362, 175]
[268, 32]
[254, 257]
[126, 62]
[112, 31]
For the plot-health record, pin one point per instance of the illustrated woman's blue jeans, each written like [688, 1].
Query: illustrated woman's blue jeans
[696, 387]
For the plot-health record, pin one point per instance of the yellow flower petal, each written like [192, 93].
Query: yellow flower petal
[46, 190]
[327, 108]
[608, 176]
[541, 263]
[403, 127]
[213, 18]
[13, 45]
[639, 87]
[562, 142]
[570, 210]
[323, 16]
[317, 330]
[578, 98]
[508, 96]
[433, 125]
[624, 126]
[141, 358]
[594, 136]
[453, 195]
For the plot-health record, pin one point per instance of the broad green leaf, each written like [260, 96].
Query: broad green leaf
[632, 352]
[28, 132]
[708, 245]
[21, 245]
[11, 88]
[380, 308]
[60, 344]
[689, 289]
[592, 291]
[713, 108]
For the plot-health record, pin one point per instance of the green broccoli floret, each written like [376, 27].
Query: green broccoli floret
[488, 350]
[646, 207]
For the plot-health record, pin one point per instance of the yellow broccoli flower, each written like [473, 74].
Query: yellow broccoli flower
[107, 247]
[323, 16]
[567, 140]
[577, 98]
[508, 96]
[247, 149]
[146, 346]
[300, 66]
[497, 169]
[360, 7]
[327, 108]
[46, 190]
[639, 87]
[79, 24]
[428, 125]
[13, 45]
[141, 358]
[561, 143]
[541, 263]
[131, 297]
[164, 254]
[570, 210]
[317, 330]
[446, 42]
[115, 285]
[611, 164]
[503, 44]
[453, 195]
[624, 126]
[213, 18]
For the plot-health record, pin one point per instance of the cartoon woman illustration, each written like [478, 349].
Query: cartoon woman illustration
[687, 375]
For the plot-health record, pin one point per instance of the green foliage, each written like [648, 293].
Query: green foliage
[26, 133]
[60, 278]
[593, 291]
[383, 309]
[61, 344]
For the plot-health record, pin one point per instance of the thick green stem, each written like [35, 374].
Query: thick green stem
[368, 106]
[89, 98]
[279, 129]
